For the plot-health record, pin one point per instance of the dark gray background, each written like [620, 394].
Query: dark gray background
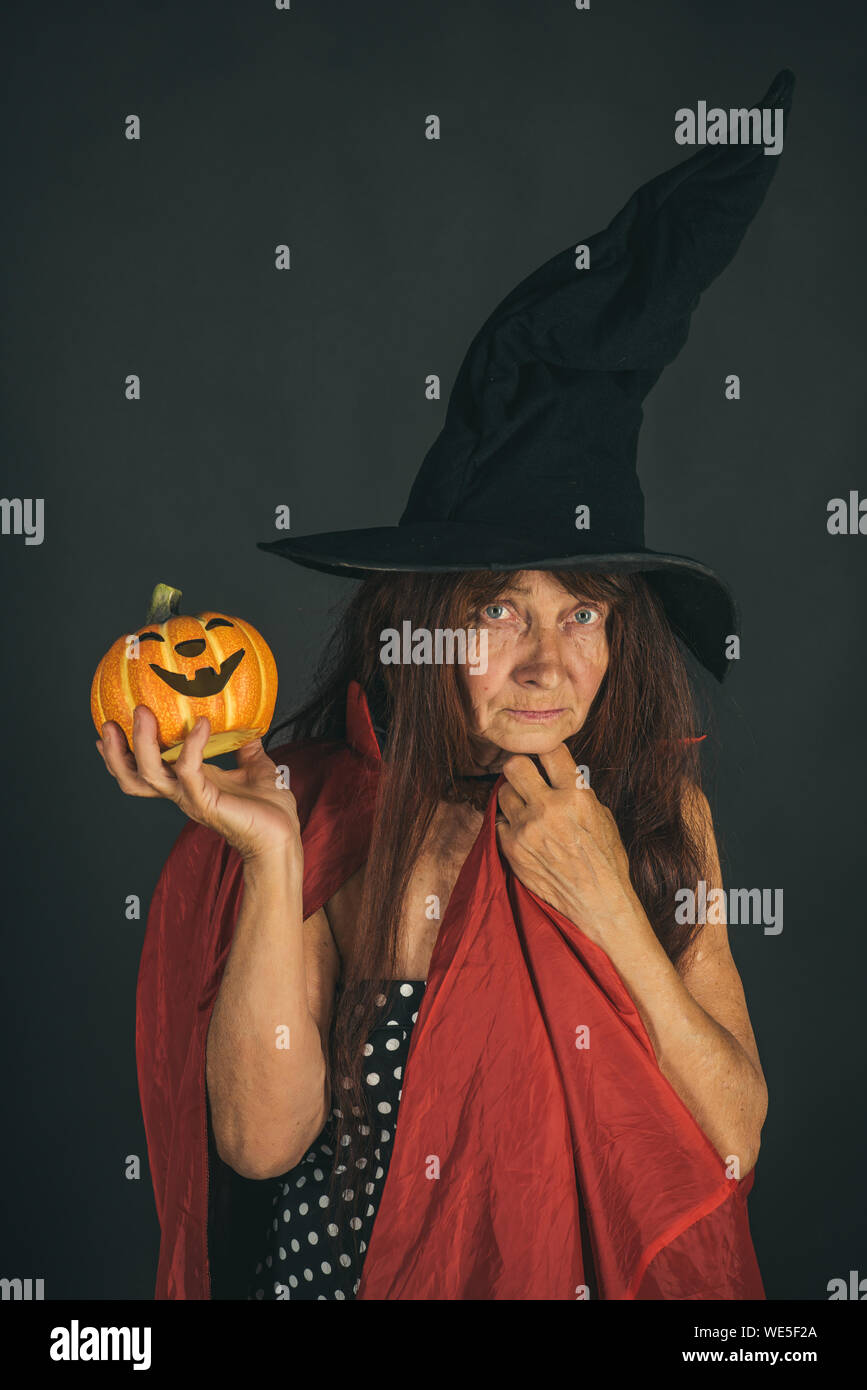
[306, 387]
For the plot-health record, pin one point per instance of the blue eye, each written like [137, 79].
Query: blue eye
[589, 615]
[487, 610]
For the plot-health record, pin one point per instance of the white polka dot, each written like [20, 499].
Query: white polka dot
[363, 1245]
[361, 1163]
[286, 1213]
[313, 1237]
[379, 1172]
[345, 1140]
[372, 1078]
[380, 1000]
[323, 1201]
[285, 1189]
[348, 1194]
[369, 1187]
[369, 1211]
[341, 1168]
[293, 1281]
[384, 1108]
[364, 1129]
[338, 1293]
[345, 1260]
[325, 1149]
[295, 1246]
[301, 1181]
[338, 1113]
[331, 1229]
[355, 1286]
[355, 1223]
[392, 1043]
[367, 1049]
[308, 1275]
[320, 1298]
[397, 1073]
[406, 991]
[415, 1016]
[325, 1267]
[385, 1136]
[282, 1252]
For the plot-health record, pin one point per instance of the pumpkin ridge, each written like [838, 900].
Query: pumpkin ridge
[262, 682]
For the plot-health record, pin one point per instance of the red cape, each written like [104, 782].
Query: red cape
[559, 1166]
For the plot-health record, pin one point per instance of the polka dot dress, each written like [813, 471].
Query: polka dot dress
[304, 1257]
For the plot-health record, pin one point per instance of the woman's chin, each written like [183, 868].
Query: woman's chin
[529, 745]
[534, 738]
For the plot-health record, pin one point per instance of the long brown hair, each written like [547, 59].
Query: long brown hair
[634, 742]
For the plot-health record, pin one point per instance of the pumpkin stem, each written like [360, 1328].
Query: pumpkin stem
[164, 604]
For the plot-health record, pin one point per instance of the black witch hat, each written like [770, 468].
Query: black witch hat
[544, 415]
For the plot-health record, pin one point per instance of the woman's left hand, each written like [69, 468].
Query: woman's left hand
[564, 845]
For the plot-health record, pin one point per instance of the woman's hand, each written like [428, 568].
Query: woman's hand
[564, 845]
[245, 805]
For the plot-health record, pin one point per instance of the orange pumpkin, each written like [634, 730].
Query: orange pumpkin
[182, 667]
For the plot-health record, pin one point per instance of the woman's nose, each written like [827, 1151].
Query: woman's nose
[543, 660]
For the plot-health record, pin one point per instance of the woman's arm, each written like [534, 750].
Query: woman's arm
[701, 1035]
[269, 1100]
[697, 1020]
[564, 845]
[267, 1041]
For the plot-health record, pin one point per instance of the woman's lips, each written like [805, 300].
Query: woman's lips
[535, 716]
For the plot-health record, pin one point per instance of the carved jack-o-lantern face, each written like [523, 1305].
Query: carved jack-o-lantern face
[183, 666]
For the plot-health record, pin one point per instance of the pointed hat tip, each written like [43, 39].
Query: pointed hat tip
[780, 91]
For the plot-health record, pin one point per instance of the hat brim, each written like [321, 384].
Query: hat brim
[700, 607]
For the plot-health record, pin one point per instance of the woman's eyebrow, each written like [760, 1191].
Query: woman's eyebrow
[574, 599]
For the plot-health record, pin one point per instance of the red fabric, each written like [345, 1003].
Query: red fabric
[531, 1137]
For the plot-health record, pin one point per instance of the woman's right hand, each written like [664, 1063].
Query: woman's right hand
[245, 805]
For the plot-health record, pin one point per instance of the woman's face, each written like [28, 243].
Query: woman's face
[547, 655]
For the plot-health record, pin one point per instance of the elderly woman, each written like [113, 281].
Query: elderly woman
[414, 980]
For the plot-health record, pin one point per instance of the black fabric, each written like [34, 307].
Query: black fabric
[237, 1212]
[545, 412]
[308, 1251]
